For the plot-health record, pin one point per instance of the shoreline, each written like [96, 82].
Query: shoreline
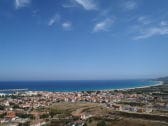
[123, 89]
[120, 89]
[141, 87]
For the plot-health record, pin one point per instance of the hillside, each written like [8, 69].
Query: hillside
[164, 79]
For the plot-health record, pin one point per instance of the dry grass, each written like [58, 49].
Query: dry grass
[128, 122]
[100, 111]
[78, 108]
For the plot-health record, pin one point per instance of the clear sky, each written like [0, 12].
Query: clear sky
[83, 39]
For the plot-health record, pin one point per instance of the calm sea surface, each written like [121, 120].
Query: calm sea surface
[84, 85]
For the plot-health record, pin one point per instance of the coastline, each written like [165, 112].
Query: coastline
[141, 87]
[155, 83]
[123, 89]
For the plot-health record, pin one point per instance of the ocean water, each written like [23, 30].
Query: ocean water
[82, 85]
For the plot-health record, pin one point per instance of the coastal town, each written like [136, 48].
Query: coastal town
[35, 108]
[83, 62]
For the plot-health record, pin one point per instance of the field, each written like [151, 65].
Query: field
[125, 122]
[100, 116]
[76, 109]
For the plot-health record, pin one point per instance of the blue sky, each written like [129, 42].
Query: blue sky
[83, 39]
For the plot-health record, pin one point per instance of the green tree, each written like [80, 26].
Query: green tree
[44, 116]
[101, 123]
[2, 107]
[85, 124]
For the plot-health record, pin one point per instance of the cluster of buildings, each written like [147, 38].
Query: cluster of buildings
[32, 108]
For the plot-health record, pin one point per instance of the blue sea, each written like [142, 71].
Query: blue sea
[77, 85]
